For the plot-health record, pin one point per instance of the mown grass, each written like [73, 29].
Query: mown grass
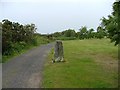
[20, 49]
[89, 64]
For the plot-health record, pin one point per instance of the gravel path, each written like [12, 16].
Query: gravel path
[25, 71]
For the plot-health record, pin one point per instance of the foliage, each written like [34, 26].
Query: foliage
[57, 34]
[90, 33]
[100, 32]
[83, 32]
[14, 33]
[21, 47]
[112, 24]
[18, 38]
[69, 33]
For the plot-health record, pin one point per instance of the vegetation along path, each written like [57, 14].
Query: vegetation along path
[25, 71]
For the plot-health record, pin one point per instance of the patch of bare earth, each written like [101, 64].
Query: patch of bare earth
[108, 63]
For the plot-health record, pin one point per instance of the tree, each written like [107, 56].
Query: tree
[6, 35]
[83, 32]
[70, 33]
[57, 34]
[28, 32]
[100, 32]
[16, 36]
[112, 24]
[14, 33]
[90, 33]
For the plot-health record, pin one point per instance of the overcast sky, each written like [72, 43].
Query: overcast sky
[56, 15]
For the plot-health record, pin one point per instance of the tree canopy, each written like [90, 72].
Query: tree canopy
[13, 32]
[112, 24]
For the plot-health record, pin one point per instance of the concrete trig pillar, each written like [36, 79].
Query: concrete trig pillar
[58, 51]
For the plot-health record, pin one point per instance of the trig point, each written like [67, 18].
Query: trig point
[58, 51]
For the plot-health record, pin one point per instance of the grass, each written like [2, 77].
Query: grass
[89, 64]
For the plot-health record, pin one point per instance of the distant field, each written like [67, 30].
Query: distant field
[89, 64]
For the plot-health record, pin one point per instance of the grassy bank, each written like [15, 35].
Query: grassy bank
[89, 64]
[21, 48]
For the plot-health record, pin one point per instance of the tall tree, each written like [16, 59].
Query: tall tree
[90, 33]
[100, 32]
[83, 32]
[112, 24]
[6, 35]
